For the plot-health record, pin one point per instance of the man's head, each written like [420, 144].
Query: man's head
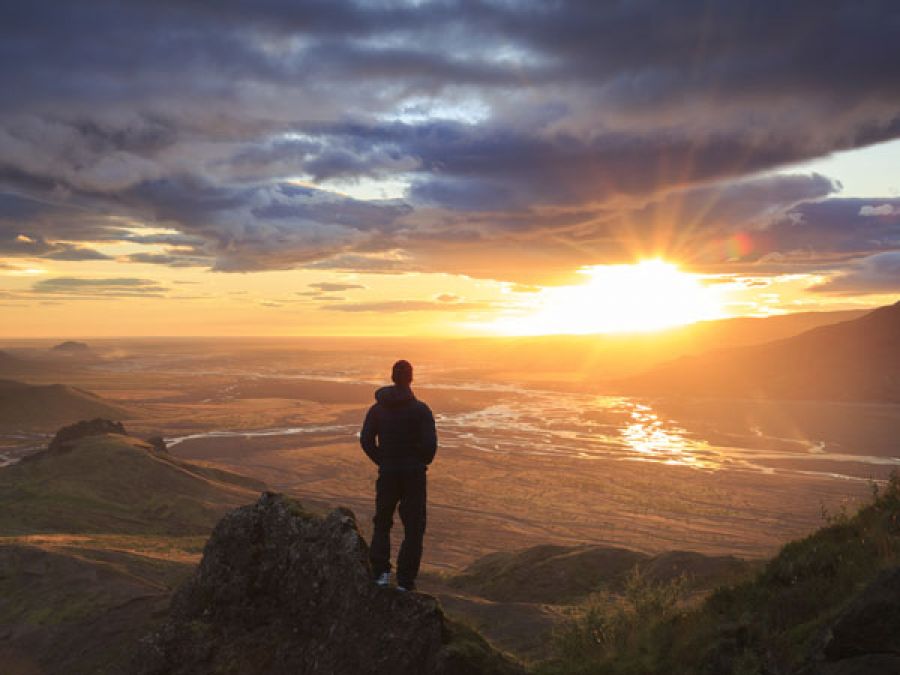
[402, 373]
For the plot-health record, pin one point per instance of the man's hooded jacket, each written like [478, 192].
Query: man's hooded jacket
[399, 431]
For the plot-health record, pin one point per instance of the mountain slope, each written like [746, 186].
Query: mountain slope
[856, 360]
[10, 365]
[605, 356]
[31, 406]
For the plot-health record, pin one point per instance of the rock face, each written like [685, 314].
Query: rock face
[865, 638]
[282, 591]
[66, 437]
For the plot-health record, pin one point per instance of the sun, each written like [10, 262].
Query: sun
[645, 296]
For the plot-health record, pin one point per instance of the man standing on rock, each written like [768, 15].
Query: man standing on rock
[399, 436]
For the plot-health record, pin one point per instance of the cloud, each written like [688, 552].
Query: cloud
[559, 134]
[102, 287]
[883, 210]
[329, 286]
[404, 306]
[878, 273]
[65, 252]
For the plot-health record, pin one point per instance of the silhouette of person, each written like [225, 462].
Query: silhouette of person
[400, 437]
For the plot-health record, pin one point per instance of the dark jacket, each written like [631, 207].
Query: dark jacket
[399, 431]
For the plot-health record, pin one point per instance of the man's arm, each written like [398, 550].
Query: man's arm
[428, 435]
[369, 433]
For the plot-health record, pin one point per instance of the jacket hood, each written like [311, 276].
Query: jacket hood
[394, 396]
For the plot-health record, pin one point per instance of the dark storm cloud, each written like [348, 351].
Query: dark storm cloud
[506, 119]
[254, 226]
[489, 168]
[836, 226]
[879, 273]
[32, 227]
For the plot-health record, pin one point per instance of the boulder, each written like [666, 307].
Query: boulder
[282, 591]
[871, 623]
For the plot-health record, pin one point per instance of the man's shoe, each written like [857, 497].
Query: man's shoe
[405, 587]
[383, 580]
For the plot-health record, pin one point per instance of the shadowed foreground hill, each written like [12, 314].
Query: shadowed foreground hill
[828, 604]
[282, 591]
[856, 360]
[95, 533]
[566, 574]
[49, 406]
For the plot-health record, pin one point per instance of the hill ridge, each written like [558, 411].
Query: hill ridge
[856, 360]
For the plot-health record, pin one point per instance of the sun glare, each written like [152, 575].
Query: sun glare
[646, 296]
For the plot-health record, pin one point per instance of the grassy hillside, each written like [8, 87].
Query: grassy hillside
[775, 622]
[48, 407]
[116, 484]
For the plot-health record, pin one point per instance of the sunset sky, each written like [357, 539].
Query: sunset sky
[274, 167]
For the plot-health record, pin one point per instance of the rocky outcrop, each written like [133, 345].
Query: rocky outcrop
[158, 443]
[865, 638]
[282, 591]
[66, 437]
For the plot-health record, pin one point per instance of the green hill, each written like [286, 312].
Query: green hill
[95, 535]
[47, 407]
[115, 484]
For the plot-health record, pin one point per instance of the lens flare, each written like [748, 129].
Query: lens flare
[738, 246]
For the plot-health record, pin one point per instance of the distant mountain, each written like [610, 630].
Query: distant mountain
[72, 347]
[11, 365]
[42, 365]
[856, 360]
[45, 407]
